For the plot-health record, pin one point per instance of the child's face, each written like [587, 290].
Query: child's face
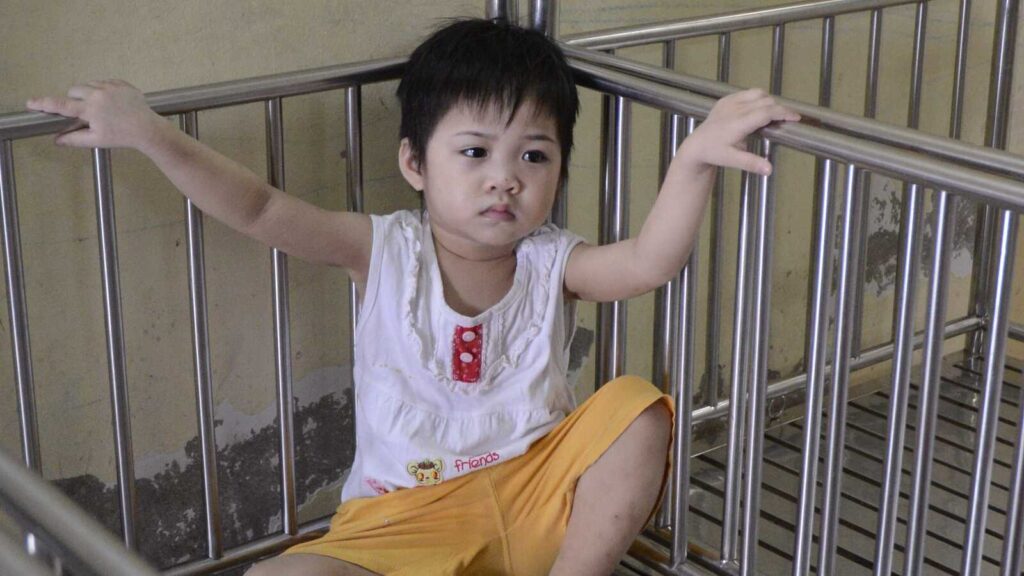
[487, 182]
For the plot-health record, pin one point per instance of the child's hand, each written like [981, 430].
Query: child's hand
[721, 138]
[111, 114]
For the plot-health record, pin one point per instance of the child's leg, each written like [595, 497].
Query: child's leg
[306, 565]
[615, 496]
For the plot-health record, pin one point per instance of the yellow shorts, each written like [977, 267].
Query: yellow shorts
[506, 519]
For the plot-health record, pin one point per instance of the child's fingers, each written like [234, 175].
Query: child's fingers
[51, 105]
[81, 137]
[748, 162]
[79, 92]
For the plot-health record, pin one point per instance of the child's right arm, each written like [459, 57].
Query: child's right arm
[114, 114]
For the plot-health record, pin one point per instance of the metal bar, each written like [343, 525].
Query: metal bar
[988, 418]
[730, 22]
[870, 357]
[683, 372]
[1017, 332]
[928, 395]
[83, 543]
[17, 310]
[817, 339]
[1000, 86]
[778, 44]
[282, 330]
[543, 16]
[866, 129]
[611, 316]
[666, 306]
[758, 380]
[905, 164]
[740, 369]
[195, 98]
[903, 324]
[106, 227]
[14, 560]
[710, 385]
[870, 105]
[354, 174]
[832, 483]
[201, 362]
[507, 10]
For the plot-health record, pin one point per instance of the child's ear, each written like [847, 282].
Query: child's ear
[409, 164]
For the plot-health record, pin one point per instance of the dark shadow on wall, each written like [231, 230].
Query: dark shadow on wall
[171, 522]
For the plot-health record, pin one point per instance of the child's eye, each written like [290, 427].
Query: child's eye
[474, 152]
[535, 156]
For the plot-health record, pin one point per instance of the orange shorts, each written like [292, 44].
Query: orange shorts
[506, 519]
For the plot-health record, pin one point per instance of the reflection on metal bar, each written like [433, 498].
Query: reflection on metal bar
[710, 384]
[196, 98]
[733, 22]
[507, 10]
[354, 174]
[666, 306]
[611, 316]
[758, 377]
[903, 324]
[107, 229]
[988, 418]
[683, 372]
[740, 364]
[83, 543]
[832, 483]
[282, 330]
[817, 339]
[14, 560]
[201, 362]
[17, 310]
[867, 131]
[543, 16]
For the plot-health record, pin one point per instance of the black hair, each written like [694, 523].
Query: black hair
[485, 63]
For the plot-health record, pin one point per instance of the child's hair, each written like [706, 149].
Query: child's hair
[484, 63]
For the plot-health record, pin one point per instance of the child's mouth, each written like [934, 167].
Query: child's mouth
[499, 213]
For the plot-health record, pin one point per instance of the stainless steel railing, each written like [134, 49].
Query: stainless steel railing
[863, 146]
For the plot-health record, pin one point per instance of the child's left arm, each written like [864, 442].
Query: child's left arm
[640, 264]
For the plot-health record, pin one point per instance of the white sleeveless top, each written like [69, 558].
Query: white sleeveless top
[439, 394]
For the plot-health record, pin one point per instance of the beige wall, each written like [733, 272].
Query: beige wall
[47, 46]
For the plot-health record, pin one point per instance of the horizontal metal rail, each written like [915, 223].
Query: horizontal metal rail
[1017, 332]
[868, 130]
[26, 124]
[626, 36]
[812, 139]
[84, 544]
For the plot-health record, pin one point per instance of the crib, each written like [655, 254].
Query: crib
[871, 455]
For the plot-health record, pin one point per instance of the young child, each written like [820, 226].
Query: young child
[471, 456]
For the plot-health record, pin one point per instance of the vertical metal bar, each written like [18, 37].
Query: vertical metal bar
[665, 304]
[507, 10]
[817, 317]
[988, 418]
[759, 374]
[841, 373]
[817, 340]
[611, 316]
[740, 368]
[201, 361]
[945, 214]
[710, 384]
[282, 331]
[870, 105]
[683, 374]
[17, 310]
[106, 227]
[543, 16]
[778, 44]
[354, 173]
[903, 325]
[1001, 83]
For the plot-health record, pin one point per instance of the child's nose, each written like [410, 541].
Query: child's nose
[505, 181]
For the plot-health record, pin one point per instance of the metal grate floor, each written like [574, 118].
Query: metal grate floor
[864, 456]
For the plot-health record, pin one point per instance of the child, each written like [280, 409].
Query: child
[471, 456]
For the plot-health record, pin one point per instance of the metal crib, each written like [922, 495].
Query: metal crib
[746, 496]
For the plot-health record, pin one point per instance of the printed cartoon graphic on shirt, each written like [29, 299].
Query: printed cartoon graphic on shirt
[467, 346]
[427, 472]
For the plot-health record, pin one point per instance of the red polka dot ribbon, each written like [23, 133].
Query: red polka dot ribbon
[467, 344]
